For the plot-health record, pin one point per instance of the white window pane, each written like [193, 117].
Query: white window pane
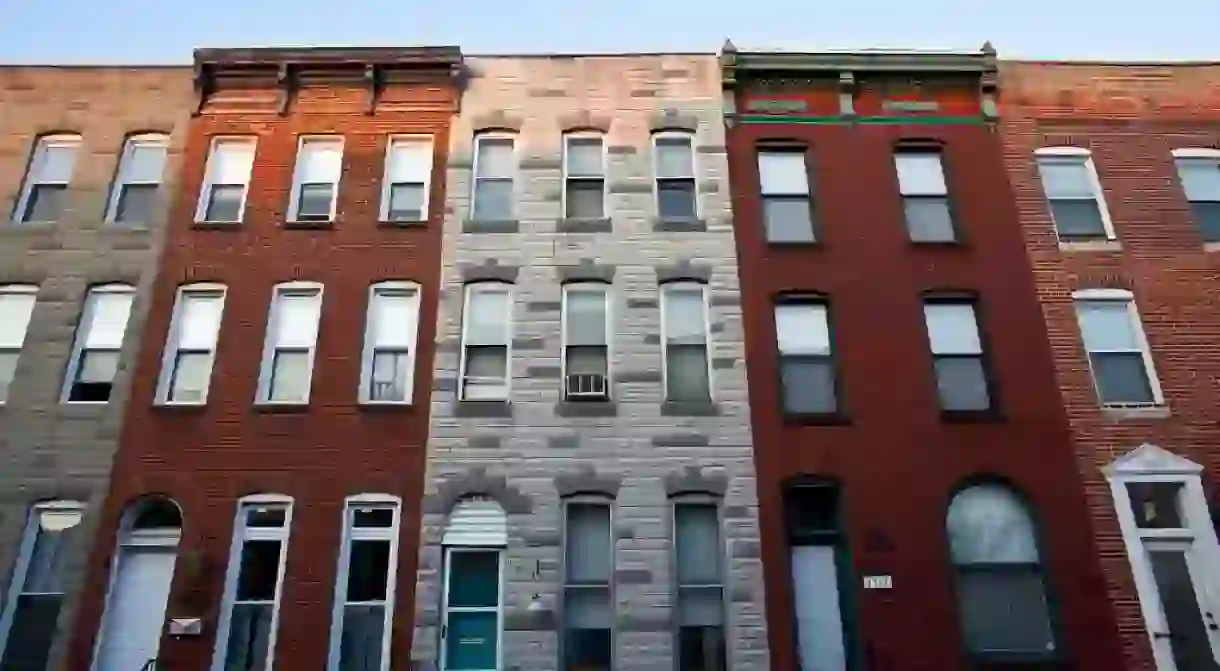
[231, 161]
[586, 317]
[145, 163]
[495, 158]
[393, 319]
[487, 318]
[802, 329]
[410, 161]
[584, 157]
[783, 173]
[200, 322]
[15, 311]
[1106, 326]
[54, 162]
[319, 161]
[952, 328]
[108, 314]
[684, 316]
[1064, 177]
[1200, 178]
[297, 319]
[674, 157]
[988, 524]
[920, 174]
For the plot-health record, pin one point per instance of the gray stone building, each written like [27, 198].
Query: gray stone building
[590, 497]
[86, 159]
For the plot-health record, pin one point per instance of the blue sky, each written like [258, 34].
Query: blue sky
[165, 31]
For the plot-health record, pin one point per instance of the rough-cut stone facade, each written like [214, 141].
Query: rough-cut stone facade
[50, 450]
[640, 451]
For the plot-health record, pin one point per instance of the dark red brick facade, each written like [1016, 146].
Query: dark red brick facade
[207, 457]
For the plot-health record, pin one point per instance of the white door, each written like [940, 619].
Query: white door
[815, 585]
[135, 610]
[1189, 635]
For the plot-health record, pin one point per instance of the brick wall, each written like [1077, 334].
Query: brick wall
[51, 450]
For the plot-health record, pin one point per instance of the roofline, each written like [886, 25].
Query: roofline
[421, 56]
[761, 63]
[1095, 62]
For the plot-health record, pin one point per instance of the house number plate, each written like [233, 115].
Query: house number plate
[878, 582]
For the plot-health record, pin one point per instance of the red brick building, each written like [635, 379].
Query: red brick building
[920, 505]
[277, 422]
[1116, 172]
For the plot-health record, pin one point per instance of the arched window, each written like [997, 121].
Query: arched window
[1000, 590]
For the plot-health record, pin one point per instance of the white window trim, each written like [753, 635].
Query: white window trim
[294, 200]
[28, 184]
[707, 335]
[385, 173]
[21, 563]
[586, 286]
[563, 192]
[366, 365]
[1141, 338]
[267, 365]
[78, 341]
[390, 534]
[1196, 152]
[1099, 194]
[694, 167]
[609, 504]
[501, 556]
[469, 289]
[474, 168]
[240, 535]
[170, 351]
[129, 148]
[205, 190]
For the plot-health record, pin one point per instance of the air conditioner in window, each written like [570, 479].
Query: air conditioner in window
[587, 386]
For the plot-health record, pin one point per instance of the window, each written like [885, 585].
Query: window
[584, 176]
[292, 336]
[586, 341]
[1074, 194]
[925, 198]
[684, 336]
[227, 179]
[250, 613]
[16, 306]
[495, 164]
[806, 357]
[1000, 593]
[957, 355]
[823, 587]
[487, 326]
[186, 367]
[46, 181]
[36, 592]
[364, 589]
[315, 182]
[134, 195]
[699, 553]
[408, 173]
[99, 337]
[389, 350]
[787, 207]
[674, 161]
[588, 611]
[1199, 172]
[1118, 353]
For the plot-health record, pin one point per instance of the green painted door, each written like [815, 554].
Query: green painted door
[472, 610]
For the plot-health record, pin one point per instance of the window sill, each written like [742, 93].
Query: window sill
[127, 226]
[689, 409]
[813, 243]
[936, 244]
[1213, 246]
[816, 418]
[491, 226]
[171, 406]
[683, 225]
[387, 406]
[586, 409]
[14, 225]
[403, 223]
[971, 416]
[216, 225]
[1090, 245]
[482, 409]
[310, 224]
[1136, 412]
[580, 225]
[286, 408]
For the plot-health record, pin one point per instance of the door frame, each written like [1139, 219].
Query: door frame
[1150, 463]
[448, 573]
[158, 540]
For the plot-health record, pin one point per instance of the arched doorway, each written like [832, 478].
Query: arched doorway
[472, 613]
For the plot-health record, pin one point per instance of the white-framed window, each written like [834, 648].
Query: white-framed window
[806, 355]
[99, 338]
[1199, 173]
[1074, 193]
[249, 616]
[699, 556]
[673, 158]
[46, 179]
[925, 196]
[16, 307]
[292, 339]
[686, 364]
[226, 181]
[495, 170]
[1119, 356]
[588, 595]
[586, 329]
[133, 197]
[957, 354]
[36, 590]
[190, 349]
[315, 179]
[584, 175]
[408, 178]
[365, 585]
[487, 335]
[787, 205]
[388, 371]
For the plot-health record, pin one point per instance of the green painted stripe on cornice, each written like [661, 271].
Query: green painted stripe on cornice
[936, 120]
